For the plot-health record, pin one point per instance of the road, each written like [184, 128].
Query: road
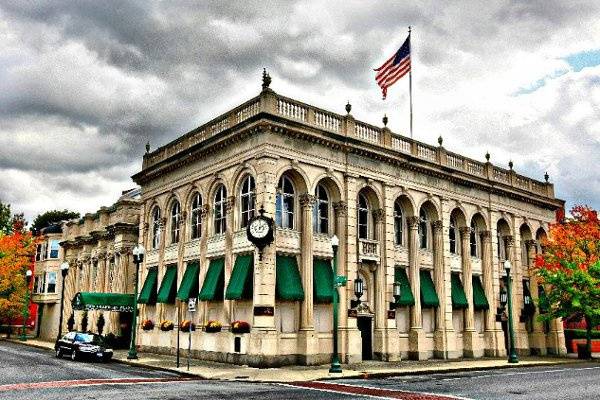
[27, 373]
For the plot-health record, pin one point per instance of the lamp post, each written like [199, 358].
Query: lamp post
[28, 275]
[512, 357]
[138, 258]
[64, 271]
[335, 359]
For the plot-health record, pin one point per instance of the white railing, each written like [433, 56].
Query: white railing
[522, 182]
[500, 175]
[454, 161]
[247, 112]
[218, 127]
[474, 168]
[426, 152]
[291, 110]
[327, 121]
[401, 145]
[367, 133]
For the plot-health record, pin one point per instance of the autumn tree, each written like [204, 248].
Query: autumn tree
[569, 269]
[17, 250]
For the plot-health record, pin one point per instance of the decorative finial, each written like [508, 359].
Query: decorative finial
[348, 107]
[440, 140]
[510, 165]
[546, 176]
[148, 146]
[385, 119]
[487, 156]
[266, 79]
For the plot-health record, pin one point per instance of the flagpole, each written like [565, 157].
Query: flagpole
[410, 84]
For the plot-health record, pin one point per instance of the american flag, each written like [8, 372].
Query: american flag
[394, 68]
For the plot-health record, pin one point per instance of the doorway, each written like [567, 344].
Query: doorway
[366, 333]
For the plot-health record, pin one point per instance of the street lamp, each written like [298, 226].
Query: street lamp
[358, 291]
[138, 258]
[397, 292]
[28, 275]
[335, 359]
[512, 357]
[64, 271]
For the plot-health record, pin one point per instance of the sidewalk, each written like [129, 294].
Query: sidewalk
[368, 369]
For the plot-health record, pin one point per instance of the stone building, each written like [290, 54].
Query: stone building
[101, 270]
[438, 223]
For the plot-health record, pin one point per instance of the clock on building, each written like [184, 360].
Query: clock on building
[260, 231]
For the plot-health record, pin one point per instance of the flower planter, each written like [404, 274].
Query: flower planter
[576, 342]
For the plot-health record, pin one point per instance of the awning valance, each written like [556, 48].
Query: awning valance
[406, 295]
[189, 284]
[241, 283]
[168, 286]
[148, 293]
[288, 284]
[429, 297]
[103, 301]
[214, 282]
[322, 281]
[479, 300]
[459, 298]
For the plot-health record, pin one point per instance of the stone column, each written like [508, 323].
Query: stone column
[416, 335]
[101, 272]
[471, 347]
[509, 242]
[308, 342]
[229, 233]
[379, 343]
[341, 213]
[204, 263]
[490, 334]
[439, 336]
[160, 308]
[537, 337]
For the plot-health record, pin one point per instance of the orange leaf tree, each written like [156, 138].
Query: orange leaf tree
[569, 268]
[17, 250]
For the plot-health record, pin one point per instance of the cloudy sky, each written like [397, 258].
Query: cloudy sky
[84, 85]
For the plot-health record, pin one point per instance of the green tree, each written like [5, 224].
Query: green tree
[50, 217]
[5, 218]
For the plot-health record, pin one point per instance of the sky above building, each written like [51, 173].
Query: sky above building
[84, 85]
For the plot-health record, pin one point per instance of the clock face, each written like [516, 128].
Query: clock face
[259, 228]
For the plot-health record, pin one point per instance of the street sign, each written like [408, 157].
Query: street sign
[192, 304]
[340, 280]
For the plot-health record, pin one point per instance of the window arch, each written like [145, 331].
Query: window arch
[423, 236]
[452, 236]
[321, 210]
[220, 210]
[247, 200]
[175, 219]
[196, 214]
[285, 202]
[398, 224]
[474, 239]
[363, 216]
[156, 227]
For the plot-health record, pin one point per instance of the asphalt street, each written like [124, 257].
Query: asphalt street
[30, 373]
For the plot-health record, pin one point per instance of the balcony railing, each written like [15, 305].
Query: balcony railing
[368, 249]
[270, 102]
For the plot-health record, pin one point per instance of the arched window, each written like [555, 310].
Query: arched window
[321, 211]
[196, 214]
[473, 239]
[398, 224]
[284, 213]
[452, 236]
[220, 210]
[156, 228]
[363, 217]
[423, 229]
[175, 219]
[247, 194]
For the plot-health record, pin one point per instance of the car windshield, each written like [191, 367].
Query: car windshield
[89, 338]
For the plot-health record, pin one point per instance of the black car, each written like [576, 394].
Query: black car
[79, 345]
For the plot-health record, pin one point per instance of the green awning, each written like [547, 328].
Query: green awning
[406, 295]
[148, 292]
[543, 300]
[214, 282]
[240, 282]
[459, 298]
[188, 288]
[288, 284]
[479, 300]
[168, 286]
[322, 281]
[429, 297]
[103, 301]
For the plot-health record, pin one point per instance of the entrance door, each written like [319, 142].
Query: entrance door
[364, 326]
[125, 319]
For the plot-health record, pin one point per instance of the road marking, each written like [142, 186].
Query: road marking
[88, 382]
[367, 391]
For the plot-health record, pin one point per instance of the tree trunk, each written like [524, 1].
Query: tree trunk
[588, 335]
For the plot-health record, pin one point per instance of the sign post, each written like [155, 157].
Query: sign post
[191, 309]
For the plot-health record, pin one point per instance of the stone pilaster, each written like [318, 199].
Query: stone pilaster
[471, 346]
[491, 332]
[440, 349]
[416, 334]
[537, 339]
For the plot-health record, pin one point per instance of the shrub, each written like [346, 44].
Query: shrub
[166, 325]
[213, 326]
[240, 327]
[187, 325]
[147, 325]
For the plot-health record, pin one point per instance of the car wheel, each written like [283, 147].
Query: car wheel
[107, 358]
[74, 355]
[59, 353]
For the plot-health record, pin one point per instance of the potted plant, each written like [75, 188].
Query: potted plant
[240, 327]
[187, 326]
[213, 326]
[147, 325]
[166, 326]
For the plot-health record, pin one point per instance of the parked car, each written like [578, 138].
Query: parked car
[80, 345]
